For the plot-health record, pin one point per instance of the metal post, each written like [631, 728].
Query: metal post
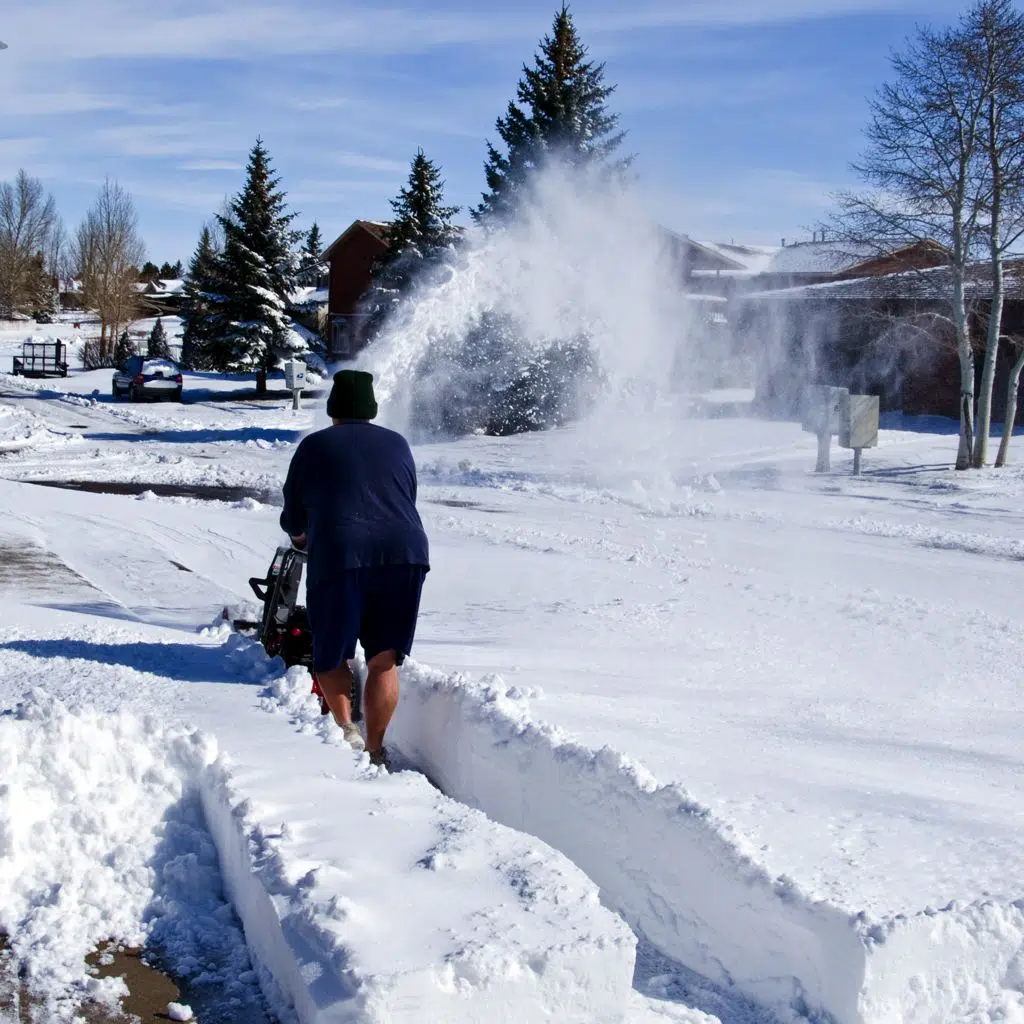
[856, 461]
[295, 399]
[824, 445]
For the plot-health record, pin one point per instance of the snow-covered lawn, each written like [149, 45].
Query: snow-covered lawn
[774, 717]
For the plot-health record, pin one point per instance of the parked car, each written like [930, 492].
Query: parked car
[141, 378]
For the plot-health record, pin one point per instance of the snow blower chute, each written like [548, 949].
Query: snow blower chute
[284, 627]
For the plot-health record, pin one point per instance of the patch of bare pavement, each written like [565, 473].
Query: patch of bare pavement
[32, 570]
[149, 991]
[204, 492]
[214, 492]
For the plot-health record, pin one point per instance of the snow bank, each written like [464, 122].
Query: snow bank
[680, 877]
[365, 897]
[372, 897]
[101, 839]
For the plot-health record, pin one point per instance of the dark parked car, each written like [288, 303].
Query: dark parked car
[142, 378]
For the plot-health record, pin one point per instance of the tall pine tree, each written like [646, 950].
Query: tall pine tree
[313, 250]
[419, 235]
[561, 114]
[257, 269]
[202, 297]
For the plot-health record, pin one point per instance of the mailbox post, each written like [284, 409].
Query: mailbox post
[822, 417]
[295, 379]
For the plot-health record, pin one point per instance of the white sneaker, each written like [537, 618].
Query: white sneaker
[353, 737]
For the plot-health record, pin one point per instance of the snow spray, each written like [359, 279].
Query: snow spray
[579, 259]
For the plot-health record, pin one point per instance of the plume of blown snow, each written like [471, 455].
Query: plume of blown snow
[581, 258]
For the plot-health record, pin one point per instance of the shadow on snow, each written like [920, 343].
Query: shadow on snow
[185, 663]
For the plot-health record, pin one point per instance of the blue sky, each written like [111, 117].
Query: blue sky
[743, 114]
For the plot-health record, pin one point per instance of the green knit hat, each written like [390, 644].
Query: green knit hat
[352, 396]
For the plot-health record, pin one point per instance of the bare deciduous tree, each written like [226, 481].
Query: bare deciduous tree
[109, 253]
[922, 161]
[28, 222]
[945, 157]
[1012, 388]
[993, 40]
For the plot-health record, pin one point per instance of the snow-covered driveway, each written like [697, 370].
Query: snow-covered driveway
[775, 717]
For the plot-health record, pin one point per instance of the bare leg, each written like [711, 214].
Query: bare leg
[336, 686]
[380, 698]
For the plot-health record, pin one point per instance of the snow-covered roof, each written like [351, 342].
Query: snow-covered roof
[819, 257]
[747, 259]
[800, 258]
[928, 284]
[308, 295]
[162, 288]
[377, 228]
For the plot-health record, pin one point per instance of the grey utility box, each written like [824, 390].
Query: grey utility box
[858, 422]
[823, 408]
[858, 425]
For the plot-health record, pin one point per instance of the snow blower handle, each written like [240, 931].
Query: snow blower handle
[259, 587]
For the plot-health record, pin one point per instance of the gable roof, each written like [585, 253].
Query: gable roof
[377, 228]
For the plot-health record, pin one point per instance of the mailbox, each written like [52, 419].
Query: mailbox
[295, 375]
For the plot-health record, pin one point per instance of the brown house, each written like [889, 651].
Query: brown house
[351, 258]
[889, 335]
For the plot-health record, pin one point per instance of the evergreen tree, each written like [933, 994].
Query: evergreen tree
[202, 292]
[124, 349]
[157, 347]
[39, 286]
[149, 272]
[419, 235]
[561, 113]
[312, 267]
[257, 269]
[313, 250]
[177, 270]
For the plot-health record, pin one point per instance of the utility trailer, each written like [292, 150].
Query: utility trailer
[42, 359]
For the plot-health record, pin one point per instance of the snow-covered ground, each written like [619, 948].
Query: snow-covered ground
[773, 717]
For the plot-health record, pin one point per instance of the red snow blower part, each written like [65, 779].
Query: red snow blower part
[284, 627]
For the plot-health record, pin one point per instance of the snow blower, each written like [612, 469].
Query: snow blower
[284, 627]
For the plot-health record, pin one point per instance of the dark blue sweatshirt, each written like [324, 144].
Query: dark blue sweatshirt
[351, 488]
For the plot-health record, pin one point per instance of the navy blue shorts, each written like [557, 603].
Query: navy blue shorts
[377, 606]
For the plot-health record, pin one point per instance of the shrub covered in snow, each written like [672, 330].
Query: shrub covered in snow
[493, 381]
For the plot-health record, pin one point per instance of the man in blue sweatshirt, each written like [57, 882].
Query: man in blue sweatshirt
[350, 501]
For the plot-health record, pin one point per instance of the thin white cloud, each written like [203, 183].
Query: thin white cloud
[721, 90]
[16, 153]
[758, 206]
[27, 102]
[163, 138]
[232, 29]
[366, 162]
[172, 194]
[211, 165]
[339, 190]
[741, 13]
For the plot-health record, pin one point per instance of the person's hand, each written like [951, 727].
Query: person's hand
[299, 542]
